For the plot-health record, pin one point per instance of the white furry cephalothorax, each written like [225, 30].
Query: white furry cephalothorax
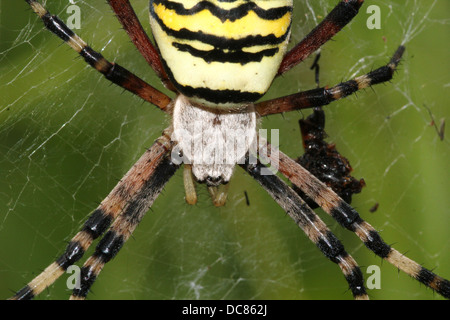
[213, 141]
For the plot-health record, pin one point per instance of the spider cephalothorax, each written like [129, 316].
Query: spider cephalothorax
[219, 57]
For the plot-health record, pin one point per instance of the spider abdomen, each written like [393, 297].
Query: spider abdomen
[221, 53]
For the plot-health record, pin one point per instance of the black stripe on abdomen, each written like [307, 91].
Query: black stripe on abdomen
[219, 55]
[221, 42]
[223, 14]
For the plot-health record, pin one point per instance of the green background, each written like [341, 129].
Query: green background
[67, 136]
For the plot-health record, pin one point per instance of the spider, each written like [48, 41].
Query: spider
[190, 62]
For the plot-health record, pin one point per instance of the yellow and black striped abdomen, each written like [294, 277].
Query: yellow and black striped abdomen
[221, 53]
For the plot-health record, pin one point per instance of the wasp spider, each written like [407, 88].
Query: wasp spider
[219, 57]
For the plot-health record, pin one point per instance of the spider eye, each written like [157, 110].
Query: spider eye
[214, 181]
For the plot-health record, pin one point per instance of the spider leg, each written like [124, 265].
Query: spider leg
[323, 96]
[348, 218]
[135, 191]
[112, 71]
[122, 228]
[312, 225]
[131, 24]
[189, 185]
[337, 19]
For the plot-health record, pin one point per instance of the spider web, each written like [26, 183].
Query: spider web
[67, 136]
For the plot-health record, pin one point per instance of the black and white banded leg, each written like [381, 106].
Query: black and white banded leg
[348, 218]
[312, 225]
[123, 207]
[324, 96]
[112, 71]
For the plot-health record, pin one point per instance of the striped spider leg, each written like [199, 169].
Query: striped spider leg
[133, 196]
[112, 71]
[324, 96]
[123, 209]
[312, 225]
[349, 219]
[326, 198]
[131, 24]
[337, 19]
